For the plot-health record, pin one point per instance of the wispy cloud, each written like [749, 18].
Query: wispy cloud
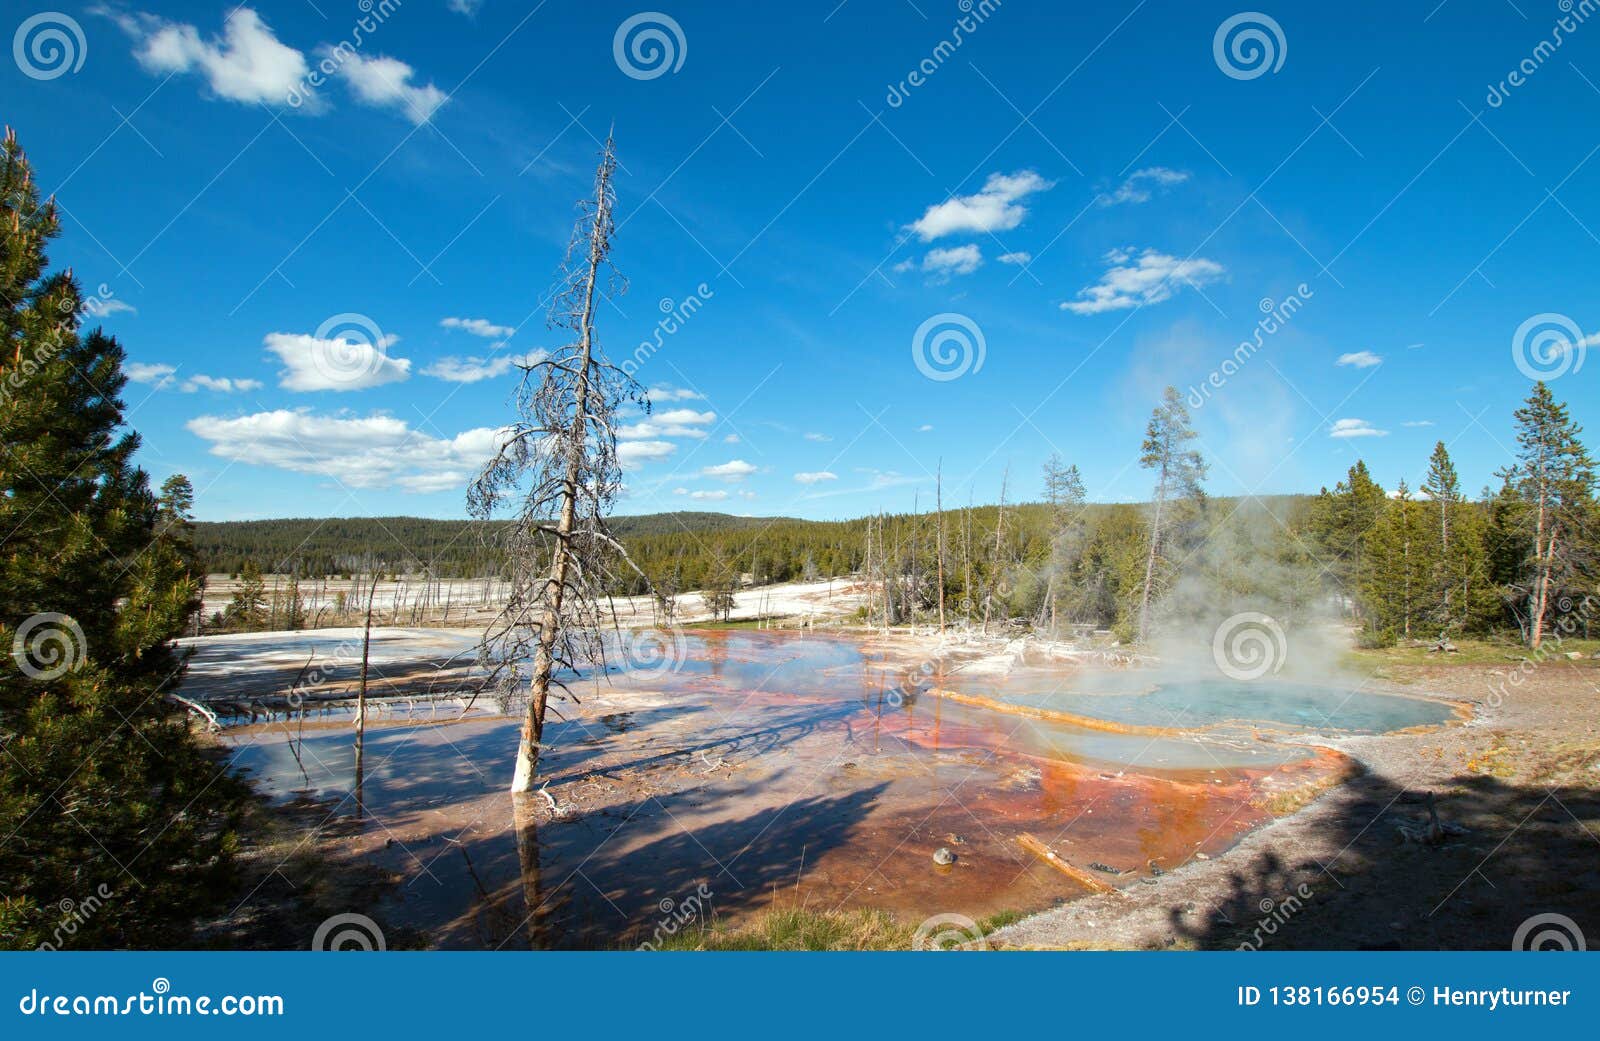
[384, 82]
[997, 206]
[1018, 258]
[1345, 428]
[478, 327]
[1149, 278]
[733, 471]
[1137, 187]
[816, 476]
[1417, 423]
[634, 454]
[474, 370]
[677, 422]
[1360, 359]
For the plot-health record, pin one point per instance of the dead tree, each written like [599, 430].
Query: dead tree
[558, 463]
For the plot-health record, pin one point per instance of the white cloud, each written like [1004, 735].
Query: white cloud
[377, 451]
[1417, 423]
[105, 308]
[154, 374]
[473, 370]
[698, 493]
[336, 364]
[634, 454]
[677, 422]
[665, 393]
[957, 260]
[820, 438]
[924, 428]
[1344, 428]
[815, 476]
[1149, 279]
[220, 384]
[466, 7]
[384, 82]
[732, 471]
[1136, 188]
[246, 63]
[1360, 359]
[996, 207]
[731, 439]
[478, 327]
[1018, 258]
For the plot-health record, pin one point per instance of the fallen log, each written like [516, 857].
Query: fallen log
[1049, 856]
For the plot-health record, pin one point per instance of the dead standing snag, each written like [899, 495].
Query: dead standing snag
[558, 465]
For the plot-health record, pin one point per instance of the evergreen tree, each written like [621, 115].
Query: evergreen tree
[1340, 523]
[1554, 478]
[248, 608]
[103, 793]
[1179, 471]
[1396, 570]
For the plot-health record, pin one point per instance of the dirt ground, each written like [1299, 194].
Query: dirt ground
[1522, 779]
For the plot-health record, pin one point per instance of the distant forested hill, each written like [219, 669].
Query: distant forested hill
[678, 551]
[451, 548]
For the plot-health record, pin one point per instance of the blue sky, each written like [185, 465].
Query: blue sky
[307, 275]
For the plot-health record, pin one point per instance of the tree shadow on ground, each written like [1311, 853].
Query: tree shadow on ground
[1527, 851]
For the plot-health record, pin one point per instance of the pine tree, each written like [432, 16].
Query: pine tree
[1179, 471]
[1554, 478]
[248, 608]
[103, 792]
[1065, 495]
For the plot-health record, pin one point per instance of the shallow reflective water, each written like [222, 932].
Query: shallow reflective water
[1185, 704]
[773, 767]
